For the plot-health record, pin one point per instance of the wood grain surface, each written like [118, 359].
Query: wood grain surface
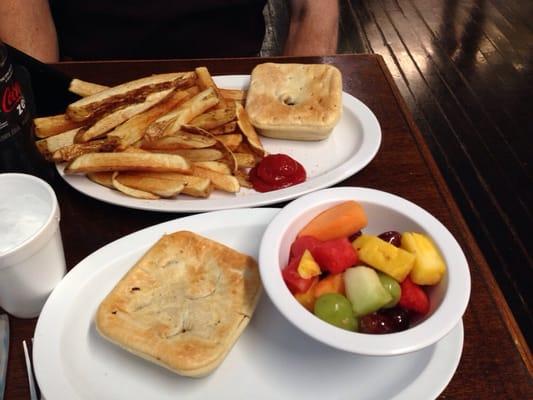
[495, 364]
[465, 70]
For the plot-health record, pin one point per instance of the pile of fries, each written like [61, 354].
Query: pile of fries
[155, 137]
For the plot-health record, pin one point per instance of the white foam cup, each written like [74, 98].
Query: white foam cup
[32, 261]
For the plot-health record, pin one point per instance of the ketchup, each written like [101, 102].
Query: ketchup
[276, 171]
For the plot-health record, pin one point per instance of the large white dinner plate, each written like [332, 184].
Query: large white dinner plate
[351, 146]
[271, 360]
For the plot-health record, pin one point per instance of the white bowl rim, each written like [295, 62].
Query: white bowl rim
[434, 328]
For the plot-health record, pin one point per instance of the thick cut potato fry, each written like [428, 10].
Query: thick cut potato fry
[127, 161]
[50, 144]
[249, 131]
[133, 130]
[194, 186]
[156, 137]
[180, 140]
[139, 194]
[72, 151]
[227, 153]
[117, 117]
[244, 147]
[191, 109]
[160, 187]
[50, 126]
[170, 116]
[215, 118]
[197, 154]
[233, 94]
[232, 140]
[216, 166]
[84, 88]
[245, 160]
[226, 128]
[243, 178]
[227, 183]
[127, 93]
[102, 178]
[172, 122]
[205, 80]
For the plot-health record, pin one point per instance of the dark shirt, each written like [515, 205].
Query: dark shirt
[159, 29]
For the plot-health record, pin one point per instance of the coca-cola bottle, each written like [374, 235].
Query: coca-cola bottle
[18, 152]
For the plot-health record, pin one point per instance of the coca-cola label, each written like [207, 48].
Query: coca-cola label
[12, 97]
[13, 112]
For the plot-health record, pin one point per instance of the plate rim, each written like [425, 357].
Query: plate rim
[433, 387]
[370, 145]
[82, 273]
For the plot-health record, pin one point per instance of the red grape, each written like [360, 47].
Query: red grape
[389, 320]
[392, 237]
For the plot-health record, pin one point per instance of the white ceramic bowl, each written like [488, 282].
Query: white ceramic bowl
[385, 212]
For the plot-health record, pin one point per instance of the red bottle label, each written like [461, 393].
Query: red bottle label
[13, 112]
[11, 97]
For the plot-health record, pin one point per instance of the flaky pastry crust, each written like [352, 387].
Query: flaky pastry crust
[295, 101]
[183, 304]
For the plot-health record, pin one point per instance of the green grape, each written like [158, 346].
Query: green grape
[393, 287]
[336, 309]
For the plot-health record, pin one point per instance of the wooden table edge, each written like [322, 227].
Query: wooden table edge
[468, 238]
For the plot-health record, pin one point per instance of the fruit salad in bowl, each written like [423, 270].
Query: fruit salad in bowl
[364, 271]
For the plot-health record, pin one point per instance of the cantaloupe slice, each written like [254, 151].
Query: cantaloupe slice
[333, 283]
[341, 220]
[308, 298]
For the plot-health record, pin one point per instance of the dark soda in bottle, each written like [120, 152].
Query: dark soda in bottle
[18, 152]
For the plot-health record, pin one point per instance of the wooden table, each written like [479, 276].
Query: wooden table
[495, 364]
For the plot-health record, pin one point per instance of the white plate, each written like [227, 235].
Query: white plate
[271, 360]
[351, 146]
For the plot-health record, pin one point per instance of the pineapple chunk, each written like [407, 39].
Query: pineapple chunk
[360, 241]
[429, 265]
[308, 267]
[384, 256]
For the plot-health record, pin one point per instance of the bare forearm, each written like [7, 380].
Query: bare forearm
[28, 26]
[313, 28]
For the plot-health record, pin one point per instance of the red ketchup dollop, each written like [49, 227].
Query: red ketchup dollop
[276, 171]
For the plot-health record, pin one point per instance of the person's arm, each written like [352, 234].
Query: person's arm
[313, 28]
[28, 26]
